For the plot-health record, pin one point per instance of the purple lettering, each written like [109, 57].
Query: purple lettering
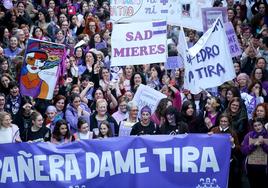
[152, 49]
[190, 76]
[135, 51]
[148, 34]
[129, 36]
[207, 53]
[205, 70]
[220, 69]
[198, 58]
[118, 53]
[138, 36]
[161, 48]
[127, 52]
[143, 50]
[211, 70]
[199, 72]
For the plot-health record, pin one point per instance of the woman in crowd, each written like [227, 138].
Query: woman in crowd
[37, 132]
[4, 66]
[230, 94]
[145, 126]
[126, 77]
[60, 37]
[101, 115]
[191, 118]
[61, 133]
[9, 133]
[79, 55]
[5, 79]
[105, 130]
[173, 123]
[125, 125]
[212, 112]
[91, 26]
[43, 19]
[83, 132]
[88, 65]
[105, 81]
[223, 127]
[159, 115]
[243, 82]
[255, 147]
[173, 94]
[155, 74]
[258, 76]
[121, 113]
[74, 110]
[135, 81]
[239, 117]
[59, 102]
[253, 97]
[51, 117]
[108, 96]
[4, 37]
[97, 42]
[38, 33]
[21, 39]
[261, 112]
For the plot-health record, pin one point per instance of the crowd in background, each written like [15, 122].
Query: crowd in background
[93, 100]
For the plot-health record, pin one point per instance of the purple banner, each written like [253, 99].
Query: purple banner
[233, 43]
[194, 160]
[174, 62]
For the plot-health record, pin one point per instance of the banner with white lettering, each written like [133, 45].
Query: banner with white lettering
[209, 62]
[185, 13]
[147, 96]
[139, 43]
[194, 160]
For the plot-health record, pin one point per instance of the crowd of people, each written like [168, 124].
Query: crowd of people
[94, 101]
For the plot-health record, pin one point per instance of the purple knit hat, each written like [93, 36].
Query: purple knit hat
[146, 109]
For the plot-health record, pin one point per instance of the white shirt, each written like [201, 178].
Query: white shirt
[6, 135]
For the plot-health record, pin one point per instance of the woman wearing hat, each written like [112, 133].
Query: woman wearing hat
[145, 126]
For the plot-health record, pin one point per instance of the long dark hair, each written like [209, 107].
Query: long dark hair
[185, 107]
[56, 132]
[161, 107]
[109, 133]
[132, 84]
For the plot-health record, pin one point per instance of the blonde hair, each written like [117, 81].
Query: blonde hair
[99, 101]
[2, 116]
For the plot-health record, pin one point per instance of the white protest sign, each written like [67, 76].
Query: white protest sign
[234, 46]
[185, 13]
[210, 15]
[182, 46]
[139, 43]
[209, 62]
[146, 95]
